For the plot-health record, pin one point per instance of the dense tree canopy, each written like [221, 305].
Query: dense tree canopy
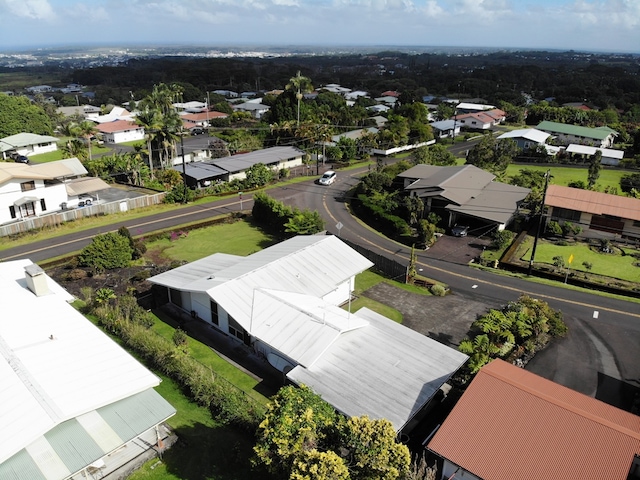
[302, 437]
[18, 114]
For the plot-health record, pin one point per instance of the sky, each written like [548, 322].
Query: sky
[583, 25]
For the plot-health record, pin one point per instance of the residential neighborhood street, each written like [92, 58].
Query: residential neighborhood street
[599, 353]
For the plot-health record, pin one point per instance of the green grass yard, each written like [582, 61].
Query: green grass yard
[564, 175]
[610, 265]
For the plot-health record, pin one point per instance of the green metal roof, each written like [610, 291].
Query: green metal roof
[72, 445]
[576, 130]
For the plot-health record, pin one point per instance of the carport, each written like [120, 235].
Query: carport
[201, 174]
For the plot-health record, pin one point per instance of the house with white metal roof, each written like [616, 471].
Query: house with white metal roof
[38, 189]
[445, 128]
[275, 158]
[74, 403]
[468, 107]
[526, 138]
[283, 302]
[609, 155]
[27, 144]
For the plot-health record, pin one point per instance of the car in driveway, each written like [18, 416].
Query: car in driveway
[198, 131]
[21, 159]
[459, 230]
[327, 178]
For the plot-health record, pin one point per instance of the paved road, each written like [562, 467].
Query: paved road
[603, 343]
[600, 351]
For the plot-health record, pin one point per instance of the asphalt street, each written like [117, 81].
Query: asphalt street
[599, 356]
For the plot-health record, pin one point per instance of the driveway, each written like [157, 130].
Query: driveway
[460, 250]
[445, 319]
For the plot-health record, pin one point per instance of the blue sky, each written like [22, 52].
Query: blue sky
[587, 25]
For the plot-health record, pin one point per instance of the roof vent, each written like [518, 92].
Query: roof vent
[36, 280]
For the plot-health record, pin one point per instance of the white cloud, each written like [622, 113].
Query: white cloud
[35, 9]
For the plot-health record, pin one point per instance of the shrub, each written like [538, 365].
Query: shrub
[179, 194]
[554, 228]
[438, 290]
[501, 239]
[105, 252]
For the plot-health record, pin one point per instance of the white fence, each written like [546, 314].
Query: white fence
[55, 219]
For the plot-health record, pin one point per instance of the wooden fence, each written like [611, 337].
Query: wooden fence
[55, 219]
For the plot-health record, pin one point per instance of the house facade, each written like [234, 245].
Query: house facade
[32, 190]
[283, 303]
[121, 131]
[445, 128]
[481, 120]
[601, 215]
[609, 156]
[512, 424]
[27, 144]
[601, 137]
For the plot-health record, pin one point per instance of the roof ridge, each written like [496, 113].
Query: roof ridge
[563, 404]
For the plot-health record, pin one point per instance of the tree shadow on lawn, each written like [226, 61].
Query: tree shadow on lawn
[221, 452]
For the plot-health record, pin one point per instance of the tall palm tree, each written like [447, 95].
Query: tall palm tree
[87, 129]
[300, 85]
[149, 119]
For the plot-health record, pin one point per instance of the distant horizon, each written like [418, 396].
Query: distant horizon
[611, 26]
[290, 47]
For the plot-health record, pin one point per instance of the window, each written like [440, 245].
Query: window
[214, 312]
[43, 205]
[12, 211]
[235, 329]
[636, 223]
[175, 296]
[26, 186]
[566, 214]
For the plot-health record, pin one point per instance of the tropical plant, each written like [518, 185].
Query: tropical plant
[105, 252]
[300, 85]
[595, 166]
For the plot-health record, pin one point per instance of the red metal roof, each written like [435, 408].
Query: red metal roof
[118, 126]
[511, 424]
[596, 203]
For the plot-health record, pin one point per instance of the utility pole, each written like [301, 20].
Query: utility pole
[184, 169]
[540, 215]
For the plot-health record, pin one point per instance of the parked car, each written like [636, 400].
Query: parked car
[198, 131]
[21, 159]
[328, 178]
[459, 230]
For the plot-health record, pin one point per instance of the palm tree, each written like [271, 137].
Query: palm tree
[149, 119]
[87, 129]
[300, 85]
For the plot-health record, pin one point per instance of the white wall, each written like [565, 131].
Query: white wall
[125, 136]
[11, 191]
[341, 294]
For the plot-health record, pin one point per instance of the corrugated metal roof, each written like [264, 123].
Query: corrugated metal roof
[497, 202]
[383, 370]
[267, 156]
[300, 326]
[596, 203]
[54, 363]
[201, 170]
[588, 150]
[72, 445]
[24, 140]
[312, 265]
[511, 424]
[532, 134]
[78, 186]
[576, 130]
[307, 264]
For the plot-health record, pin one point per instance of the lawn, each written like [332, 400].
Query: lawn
[237, 238]
[59, 154]
[207, 450]
[564, 175]
[610, 265]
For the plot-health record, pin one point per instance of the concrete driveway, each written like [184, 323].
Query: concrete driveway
[460, 250]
